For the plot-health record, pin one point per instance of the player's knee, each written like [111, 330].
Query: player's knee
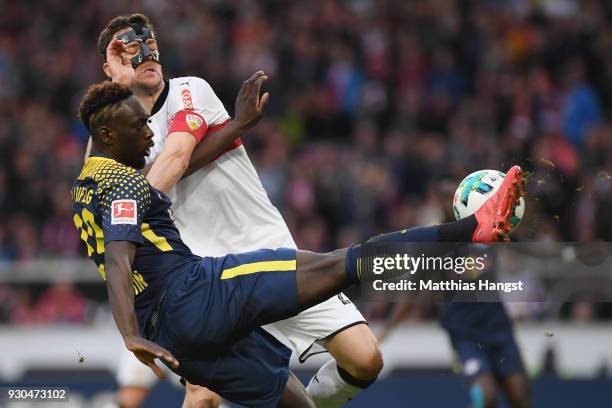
[367, 365]
[200, 397]
[356, 351]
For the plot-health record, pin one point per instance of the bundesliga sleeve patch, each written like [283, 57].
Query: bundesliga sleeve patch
[124, 212]
[190, 122]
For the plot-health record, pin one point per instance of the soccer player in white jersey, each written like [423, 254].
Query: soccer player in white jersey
[221, 207]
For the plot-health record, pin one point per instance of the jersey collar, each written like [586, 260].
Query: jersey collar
[161, 98]
[99, 154]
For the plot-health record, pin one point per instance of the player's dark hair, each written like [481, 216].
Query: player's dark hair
[99, 103]
[119, 23]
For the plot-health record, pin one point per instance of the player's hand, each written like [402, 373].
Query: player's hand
[249, 106]
[147, 351]
[119, 63]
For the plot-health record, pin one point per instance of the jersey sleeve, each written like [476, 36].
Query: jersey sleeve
[198, 108]
[123, 205]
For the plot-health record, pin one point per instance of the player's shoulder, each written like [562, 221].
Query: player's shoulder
[188, 81]
[192, 84]
[106, 172]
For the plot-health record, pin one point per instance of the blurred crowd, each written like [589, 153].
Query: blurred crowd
[378, 108]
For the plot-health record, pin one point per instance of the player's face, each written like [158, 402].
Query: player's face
[149, 73]
[133, 137]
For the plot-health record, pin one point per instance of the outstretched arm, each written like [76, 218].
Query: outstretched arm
[118, 259]
[249, 110]
[181, 156]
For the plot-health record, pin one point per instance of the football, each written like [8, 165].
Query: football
[475, 189]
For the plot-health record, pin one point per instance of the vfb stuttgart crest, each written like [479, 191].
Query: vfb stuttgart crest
[193, 121]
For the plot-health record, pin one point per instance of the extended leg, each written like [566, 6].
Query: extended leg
[320, 276]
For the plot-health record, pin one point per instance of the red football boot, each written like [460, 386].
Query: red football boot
[495, 214]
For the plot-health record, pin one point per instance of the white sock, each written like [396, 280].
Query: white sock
[328, 389]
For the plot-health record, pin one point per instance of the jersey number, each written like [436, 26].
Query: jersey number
[89, 229]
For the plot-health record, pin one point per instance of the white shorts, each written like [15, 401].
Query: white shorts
[304, 333]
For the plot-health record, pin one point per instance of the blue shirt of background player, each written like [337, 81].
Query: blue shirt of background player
[480, 321]
[485, 321]
[160, 253]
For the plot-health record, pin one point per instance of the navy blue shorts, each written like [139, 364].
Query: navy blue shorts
[210, 316]
[500, 357]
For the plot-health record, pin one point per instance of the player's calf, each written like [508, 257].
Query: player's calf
[358, 361]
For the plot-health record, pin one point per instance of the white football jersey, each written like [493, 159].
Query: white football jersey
[221, 208]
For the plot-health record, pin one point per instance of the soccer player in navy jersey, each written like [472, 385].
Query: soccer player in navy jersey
[481, 335]
[202, 315]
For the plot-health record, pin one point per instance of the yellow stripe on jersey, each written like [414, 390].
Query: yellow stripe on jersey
[102, 271]
[160, 242]
[138, 282]
[263, 266]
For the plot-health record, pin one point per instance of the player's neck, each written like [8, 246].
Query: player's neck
[104, 151]
[149, 97]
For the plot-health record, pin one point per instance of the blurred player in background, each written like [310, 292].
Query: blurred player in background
[222, 207]
[482, 338]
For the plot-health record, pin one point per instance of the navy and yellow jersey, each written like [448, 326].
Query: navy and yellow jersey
[114, 202]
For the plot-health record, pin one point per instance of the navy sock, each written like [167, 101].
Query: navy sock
[351, 261]
[418, 234]
[458, 231]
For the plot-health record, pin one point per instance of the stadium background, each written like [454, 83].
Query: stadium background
[378, 108]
